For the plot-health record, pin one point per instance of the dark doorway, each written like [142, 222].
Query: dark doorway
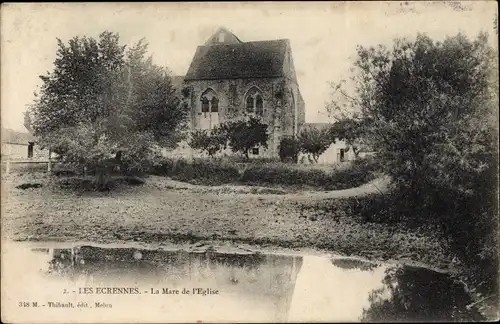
[30, 150]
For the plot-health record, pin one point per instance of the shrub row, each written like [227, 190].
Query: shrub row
[199, 171]
[358, 173]
[214, 172]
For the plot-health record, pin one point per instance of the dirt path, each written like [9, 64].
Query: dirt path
[378, 185]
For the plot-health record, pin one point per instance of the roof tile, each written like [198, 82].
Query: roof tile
[261, 59]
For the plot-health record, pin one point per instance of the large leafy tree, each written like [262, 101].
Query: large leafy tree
[243, 135]
[349, 131]
[104, 104]
[211, 142]
[314, 141]
[430, 111]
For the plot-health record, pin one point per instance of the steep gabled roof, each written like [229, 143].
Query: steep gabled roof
[229, 37]
[260, 59]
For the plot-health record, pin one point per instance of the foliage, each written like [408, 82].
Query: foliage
[314, 141]
[104, 103]
[239, 135]
[202, 171]
[401, 300]
[288, 149]
[243, 135]
[210, 142]
[358, 173]
[429, 110]
[349, 131]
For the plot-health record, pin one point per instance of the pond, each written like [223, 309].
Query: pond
[91, 283]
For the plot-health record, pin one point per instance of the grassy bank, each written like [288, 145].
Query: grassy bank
[216, 172]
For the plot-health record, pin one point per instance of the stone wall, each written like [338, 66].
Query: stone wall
[279, 105]
[11, 151]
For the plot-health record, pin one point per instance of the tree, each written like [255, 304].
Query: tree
[314, 141]
[288, 149]
[429, 110]
[210, 142]
[104, 105]
[243, 135]
[349, 131]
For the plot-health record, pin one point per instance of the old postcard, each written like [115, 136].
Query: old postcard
[249, 162]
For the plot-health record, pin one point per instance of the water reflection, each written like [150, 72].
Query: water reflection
[253, 287]
[416, 294]
[354, 264]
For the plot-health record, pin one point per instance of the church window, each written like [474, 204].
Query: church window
[250, 104]
[259, 105]
[205, 105]
[214, 104]
[209, 101]
[254, 102]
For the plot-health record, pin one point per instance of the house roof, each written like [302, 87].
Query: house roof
[260, 59]
[14, 137]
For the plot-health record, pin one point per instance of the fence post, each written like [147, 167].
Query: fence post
[49, 165]
[7, 167]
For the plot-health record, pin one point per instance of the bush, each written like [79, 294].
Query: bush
[360, 172]
[288, 150]
[200, 171]
[219, 171]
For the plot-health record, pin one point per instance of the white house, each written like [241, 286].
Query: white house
[337, 152]
[18, 146]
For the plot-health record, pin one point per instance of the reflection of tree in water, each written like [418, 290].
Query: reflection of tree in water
[74, 262]
[416, 294]
[64, 262]
[354, 264]
[247, 261]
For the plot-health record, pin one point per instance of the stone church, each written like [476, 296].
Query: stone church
[229, 79]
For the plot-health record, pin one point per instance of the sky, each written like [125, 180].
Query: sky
[323, 36]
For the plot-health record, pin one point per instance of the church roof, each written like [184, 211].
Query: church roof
[260, 59]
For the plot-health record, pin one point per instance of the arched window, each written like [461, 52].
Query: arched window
[205, 105]
[250, 104]
[259, 105]
[254, 101]
[209, 101]
[214, 104]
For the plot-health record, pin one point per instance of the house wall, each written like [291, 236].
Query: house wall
[13, 151]
[279, 108]
[331, 155]
[293, 88]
